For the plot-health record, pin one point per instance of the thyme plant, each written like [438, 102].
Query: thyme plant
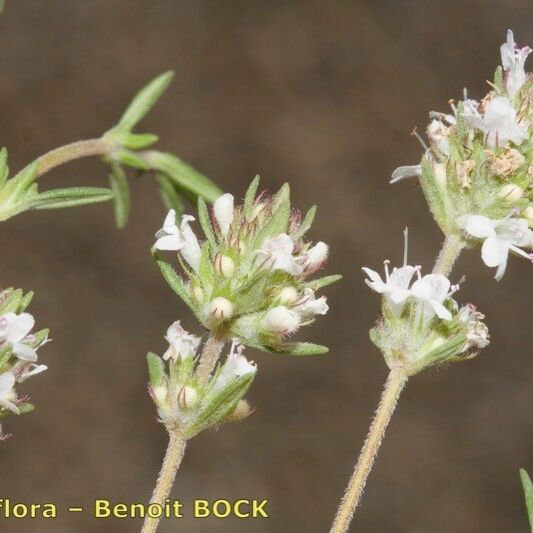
[476, 174]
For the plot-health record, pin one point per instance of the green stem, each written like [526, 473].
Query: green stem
[389, 399]
[71, 152]
[165, 481]
[451, 249]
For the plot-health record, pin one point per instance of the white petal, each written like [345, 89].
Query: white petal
[191, 250]
[25, 352]
[372, 274]
[479, 226]
[20, 327]
[7, 382]
[399, 296]
[406, 171]
[170, 219]
[491, 252]
[441, 311]
[169, 242]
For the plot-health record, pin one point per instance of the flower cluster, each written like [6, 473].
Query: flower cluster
[250, 279]
[18, 350]
[421, 324]
[477, 172]
[183, 401]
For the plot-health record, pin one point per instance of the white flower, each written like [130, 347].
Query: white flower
[312, 259]
[223, 211]
[15, 329]
[7, 393]
[281, 320]
[235, 367]
[181, 343]
[277, 252]
[407, 171]
[169, 237]
[499, 236]
[431, 291]
[309, 305]
[24, 370]
[395, 288]
[513, 61]
[498, 123]
[181, 239]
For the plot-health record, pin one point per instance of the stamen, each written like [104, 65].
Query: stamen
[420, 140]
[386, 263]
[405, 245]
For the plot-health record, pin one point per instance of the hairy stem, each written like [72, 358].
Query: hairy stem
[71, 152]
[451, 249]
[208, 359]
[389, 399]
[167, 475]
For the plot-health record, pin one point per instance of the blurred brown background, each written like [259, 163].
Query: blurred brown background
[323, 94]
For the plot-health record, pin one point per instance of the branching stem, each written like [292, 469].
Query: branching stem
[208, 359]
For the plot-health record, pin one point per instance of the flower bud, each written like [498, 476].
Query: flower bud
[187, 397]
[510, 192]
[160, 394]
[315, 256]
[281, 320]
[223, 210]
[221, 308]
[224, 265]
[242, 410]
[288, 296]
[528, 215]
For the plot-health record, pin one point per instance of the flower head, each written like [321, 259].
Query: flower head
[185, 401]
[251, 279]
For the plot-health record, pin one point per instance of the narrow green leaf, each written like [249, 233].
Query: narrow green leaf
[528, 493]
[156, 369]
[71, 197]
[144, 100]
[11, 303]
[26, 408]
[300, 349]
[173, 279]
[169, 195]
[205, 223]
[498, 79]
[40, 337]
[6, 351]
[219, 404]
[131, 159]
[121, 194]
[183, 176]
[207, 272]
[23, 180]
[138, 141]
[306, 223]
[320, 283]
[25, 301]
[4, 170]
[2, 5]
[249, 198]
